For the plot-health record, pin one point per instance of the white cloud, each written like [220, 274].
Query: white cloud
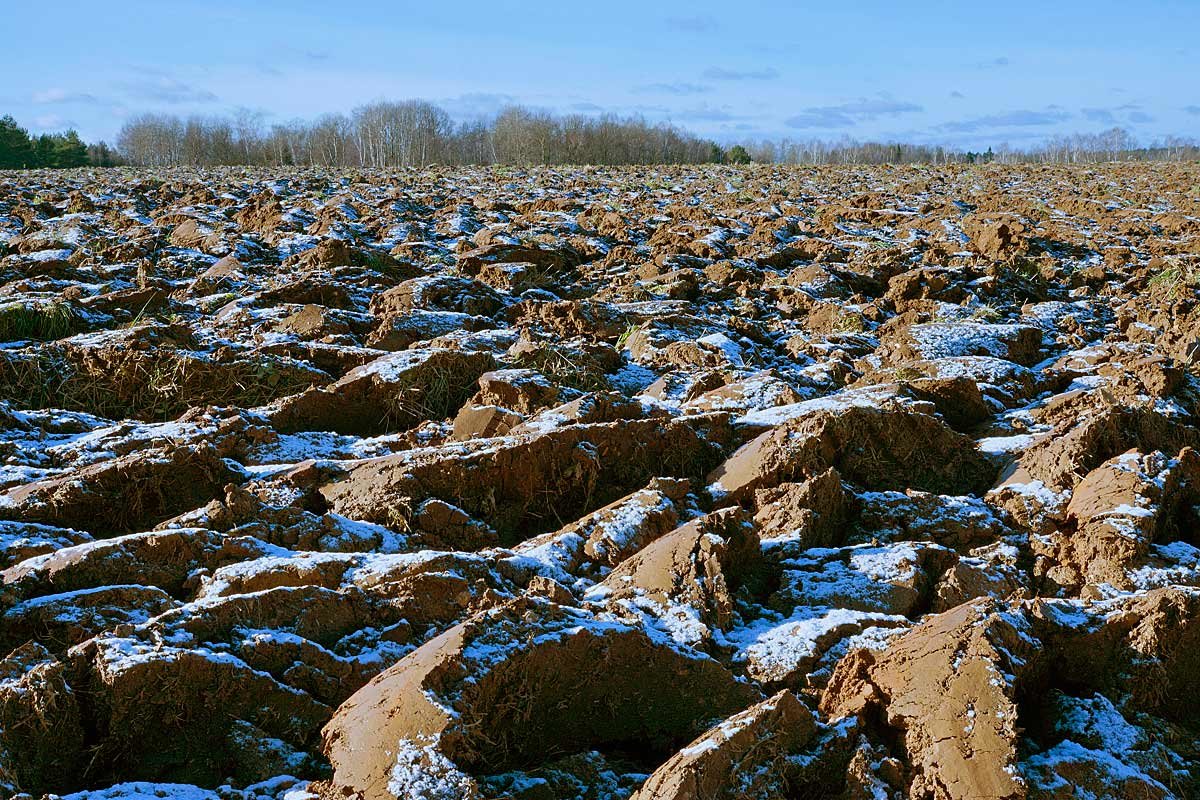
[847, 115]
[59, 95]
[51, 122]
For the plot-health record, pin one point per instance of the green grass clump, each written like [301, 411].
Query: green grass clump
[629, 331]
[849, 322]
[41, 321]
[1175, 277]
[986, 313]
[906, 374]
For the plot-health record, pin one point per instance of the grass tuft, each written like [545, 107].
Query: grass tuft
[41, 321]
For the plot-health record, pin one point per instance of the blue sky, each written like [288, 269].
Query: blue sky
[963, 74]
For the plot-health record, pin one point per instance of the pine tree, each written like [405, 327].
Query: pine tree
[69, 150]
[737, 155]
[16, 149]
[43, 151]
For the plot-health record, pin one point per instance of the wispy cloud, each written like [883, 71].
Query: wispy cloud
[159, 87]
[51, 122]
[847, 115]
[1102, 115]
[1007, 119]
[706, 113]
[473, 105]
[677, 88]
[693, 24]
[993, 63]
[722, 74]
[644, 108]
[287, 55]
[58, 95]
[1129, 112]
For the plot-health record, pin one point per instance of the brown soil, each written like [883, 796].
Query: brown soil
[601, 483]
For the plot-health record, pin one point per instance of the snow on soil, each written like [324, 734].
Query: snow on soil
[201, 465]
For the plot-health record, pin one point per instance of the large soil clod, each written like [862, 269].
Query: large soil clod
[126, 494]
[391, 393]
[872, 448]
[513, 687]
[955, 696]
[531, 483]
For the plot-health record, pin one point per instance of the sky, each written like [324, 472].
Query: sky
[961, 74]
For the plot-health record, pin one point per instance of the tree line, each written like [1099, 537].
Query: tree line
[412, 133]
[1115, 144]
[416, 133]
[19, 150]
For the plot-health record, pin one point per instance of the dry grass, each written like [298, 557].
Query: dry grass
[149, 386]
[435, 393]
[904, 374]
[565, 367]
[849, 322]
[629, 331]
[1176, 278]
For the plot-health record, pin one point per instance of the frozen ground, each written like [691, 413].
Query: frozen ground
[600, 483]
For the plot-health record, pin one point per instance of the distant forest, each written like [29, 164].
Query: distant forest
[417, 133]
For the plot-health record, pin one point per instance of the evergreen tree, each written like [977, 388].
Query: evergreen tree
[69, 151]
[737, 155]
[16, 149]
[43, 151]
